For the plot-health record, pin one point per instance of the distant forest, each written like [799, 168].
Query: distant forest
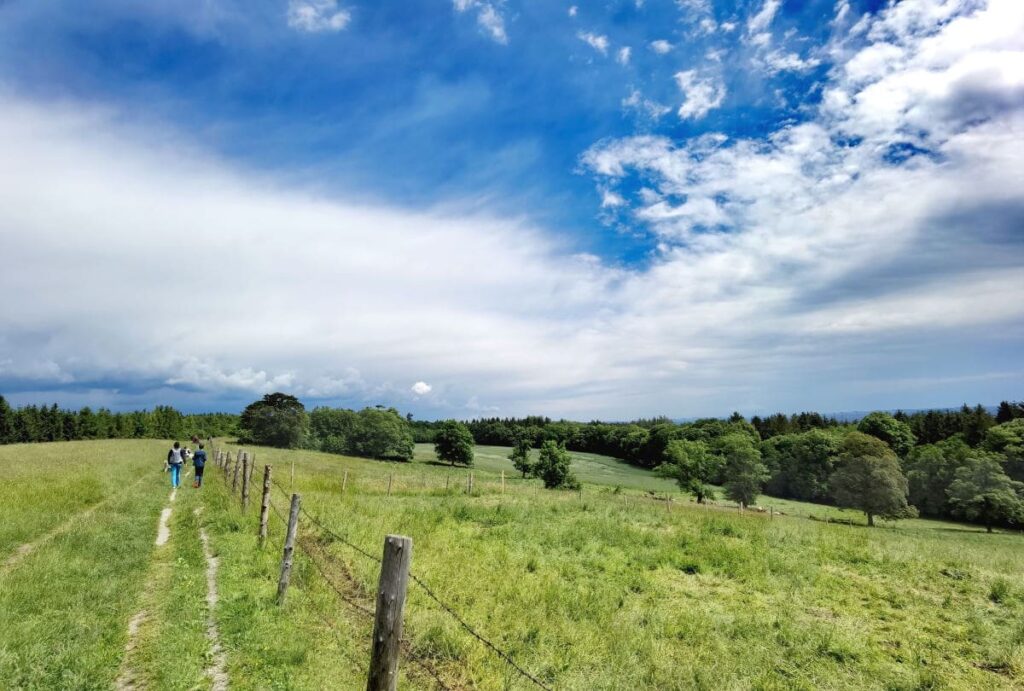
[936, 454]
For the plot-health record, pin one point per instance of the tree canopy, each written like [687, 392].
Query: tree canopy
[553, 467]
[453, 443]
[981, 491]
[277, 419]
[691, 465]
[744, 473]
[868, 478]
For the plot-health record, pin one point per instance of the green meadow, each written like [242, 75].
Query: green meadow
[610, 588]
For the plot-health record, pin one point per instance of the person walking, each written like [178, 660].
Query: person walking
[175, 459]
[199, 463]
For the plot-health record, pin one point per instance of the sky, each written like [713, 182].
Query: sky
[468, 208]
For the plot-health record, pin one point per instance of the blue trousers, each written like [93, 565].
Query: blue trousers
[175, 471]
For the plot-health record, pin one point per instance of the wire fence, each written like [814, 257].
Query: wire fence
[444, 606]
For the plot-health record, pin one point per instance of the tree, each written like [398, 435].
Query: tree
[692, 467]
[893, 432]
[277, 420]
[553, 466]
[744, 473]
[930, 470]
[6, 422]
[1008, 439]
[868, 478]
[453, 443]
[981, 491]
[520, 456]
[800, 464]
[382, 433]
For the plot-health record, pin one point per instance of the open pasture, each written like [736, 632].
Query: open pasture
[606, 591]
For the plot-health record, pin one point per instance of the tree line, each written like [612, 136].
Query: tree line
[965, 464]
[34, 423]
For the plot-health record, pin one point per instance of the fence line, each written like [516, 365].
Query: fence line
[504, 656]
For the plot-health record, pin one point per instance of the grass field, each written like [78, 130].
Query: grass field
[608, 592]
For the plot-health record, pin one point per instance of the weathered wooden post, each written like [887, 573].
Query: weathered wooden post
[503, 482]
[234, 473]
[469, 483]
[344, 481]
[245, 482]
[391, 477]
[292, 486]
[289, 549]
[387, 624]
[447, 478]
[265, 505]
[771, 513]
[227, 464]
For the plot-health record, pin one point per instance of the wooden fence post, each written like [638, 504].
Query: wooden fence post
[446, 479]
[265, 505]
[387, 624]
[771, 513]
[469, 483]
[391, 476]
[503, 482]
[292, 486]
[234, 473]
[289, 549]
[247, 477]
[246, 472]
[344, 481]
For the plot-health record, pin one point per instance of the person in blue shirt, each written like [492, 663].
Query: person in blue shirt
[175, 459]
[199, 463]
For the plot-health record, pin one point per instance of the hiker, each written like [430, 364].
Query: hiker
[175, 459]
[199, 462]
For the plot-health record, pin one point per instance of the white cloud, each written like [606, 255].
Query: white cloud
[488, 17]
[422, 388]
[760, 22]
[623, 55]
[776, 61]
[316, 16]
[700, 96]
[636, 102]
[728, 27]
[573, 10]
[598, 42]
[808, 255]
[661, 46]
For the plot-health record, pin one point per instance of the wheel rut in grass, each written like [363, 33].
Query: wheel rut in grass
[22, 551]
[127, 680]
[218, 659]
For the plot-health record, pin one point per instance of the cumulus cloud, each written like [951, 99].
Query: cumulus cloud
[488, 17]
[421, 388]
[661, 46]
[879, 234]
[573, 10]
[700, 96]
[638, 103]
[598, 42]
[316, 16]
[623, 55]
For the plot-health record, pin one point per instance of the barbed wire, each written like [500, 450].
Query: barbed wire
[462, 622]
[430, 593]
[410, 654]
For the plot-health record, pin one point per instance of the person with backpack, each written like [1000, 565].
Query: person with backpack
[175, 459]
[199, 463]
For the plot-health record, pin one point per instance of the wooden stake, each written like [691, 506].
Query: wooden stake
[344, 481]
[503, 482]
[390, 478]
[292, 486]
[265, 505]
[387, 624]
[246, 473]
[289, 549]
[234, 476]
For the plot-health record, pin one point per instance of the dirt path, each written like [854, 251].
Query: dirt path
[218, 660]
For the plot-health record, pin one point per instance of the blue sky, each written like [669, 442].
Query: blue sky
[491, 207]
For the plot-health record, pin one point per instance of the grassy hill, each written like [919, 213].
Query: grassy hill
[609, 591]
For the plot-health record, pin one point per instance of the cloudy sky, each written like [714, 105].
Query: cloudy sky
[474, 207]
